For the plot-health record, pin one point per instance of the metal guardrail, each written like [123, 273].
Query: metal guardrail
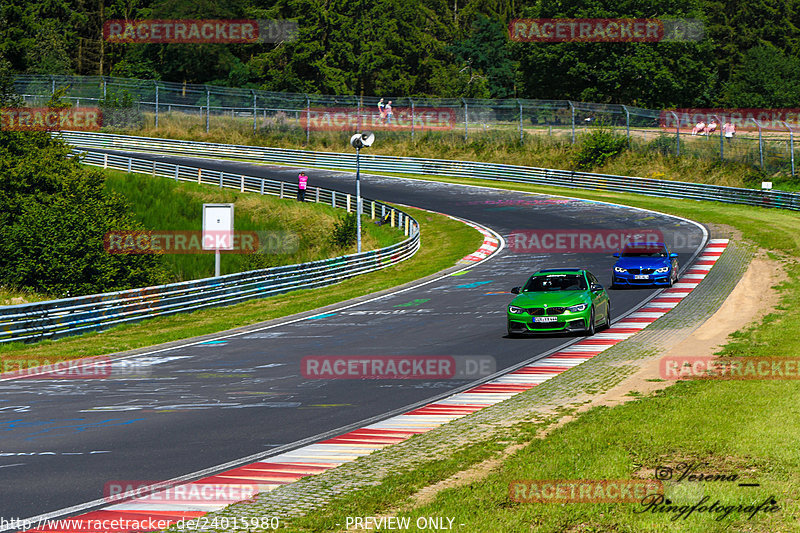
[68, 316]
[125, 101]
[444, 167]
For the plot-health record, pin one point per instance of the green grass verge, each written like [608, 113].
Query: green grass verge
[453, 240]
[304, 228]
[746, 428]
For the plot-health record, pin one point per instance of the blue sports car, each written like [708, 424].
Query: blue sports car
[645, 263]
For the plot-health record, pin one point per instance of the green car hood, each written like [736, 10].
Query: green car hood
[551, 299]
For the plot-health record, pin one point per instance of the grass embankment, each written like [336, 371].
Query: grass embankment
[650, 157]
[746, 428]
[293, 232]
[453, 241]
[14, 297]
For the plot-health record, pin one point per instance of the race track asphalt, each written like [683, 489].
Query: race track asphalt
[196, 406]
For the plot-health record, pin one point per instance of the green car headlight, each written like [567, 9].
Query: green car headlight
[514, 310]
[621, 270]
[577, 308]
[662, 270]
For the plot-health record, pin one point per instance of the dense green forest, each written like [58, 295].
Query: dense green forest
[749, 57]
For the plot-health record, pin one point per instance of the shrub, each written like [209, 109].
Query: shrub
[120, 110]
[598, 147]
[663, 144]
[344, 231]
[53, 216]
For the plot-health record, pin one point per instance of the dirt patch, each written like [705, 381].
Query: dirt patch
[752, 299]
[465, 477]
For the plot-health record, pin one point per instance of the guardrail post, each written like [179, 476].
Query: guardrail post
[760, 144]
[359, 103]
[156, 83]
[177, 171]
[392, 217]
[105, 160]
[405, 231]
[104, 87]
[255, 110]
[208, 109]
[677, 134]
[308, 119]
[130, 164]
[412, 118]
[791, 144]
[317, 196]
[53, 81]
[373, 210]
[154, 169]
[521, 131]
[466, 119]
[262, 187]
[572, 110]
[220, 179]
[241, 189]
[333, 198]
[721, 138]
[627, 125]
[199, 175]
[280, 193]
[348, 203]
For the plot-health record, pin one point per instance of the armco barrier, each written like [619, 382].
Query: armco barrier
[57, 318]
[443, 167]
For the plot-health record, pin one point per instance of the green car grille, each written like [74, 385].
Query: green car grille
[541, 311]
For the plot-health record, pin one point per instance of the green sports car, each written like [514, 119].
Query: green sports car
[557, 300]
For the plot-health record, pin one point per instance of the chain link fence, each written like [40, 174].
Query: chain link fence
[130, 103]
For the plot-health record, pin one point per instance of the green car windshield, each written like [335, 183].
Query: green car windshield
[556, 282]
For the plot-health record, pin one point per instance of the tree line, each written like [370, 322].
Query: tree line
[54, 213]
[749, 56]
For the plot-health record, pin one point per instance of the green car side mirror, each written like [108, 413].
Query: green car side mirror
[515, 290]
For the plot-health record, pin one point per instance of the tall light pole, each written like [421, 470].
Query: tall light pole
[359, 141]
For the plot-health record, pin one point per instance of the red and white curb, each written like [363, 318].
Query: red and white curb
[490, 244]
[316, 458]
